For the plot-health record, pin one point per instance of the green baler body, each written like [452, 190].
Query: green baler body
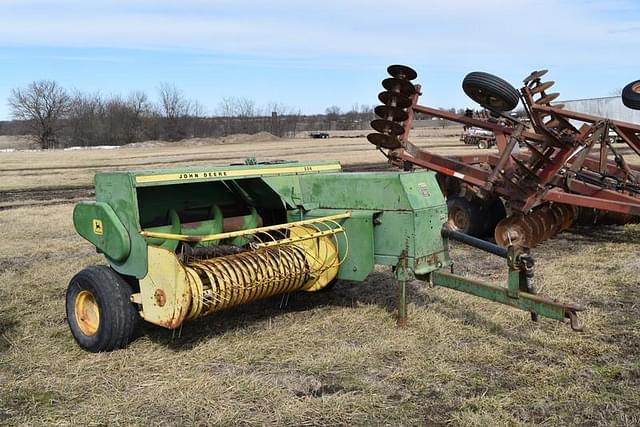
[391, 212]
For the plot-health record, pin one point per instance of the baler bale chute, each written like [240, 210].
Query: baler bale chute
[182, 244]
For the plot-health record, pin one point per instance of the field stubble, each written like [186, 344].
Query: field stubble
[319, 359]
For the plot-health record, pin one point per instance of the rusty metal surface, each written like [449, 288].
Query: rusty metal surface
[557, 162]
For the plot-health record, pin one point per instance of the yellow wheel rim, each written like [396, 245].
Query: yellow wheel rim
[87, 313]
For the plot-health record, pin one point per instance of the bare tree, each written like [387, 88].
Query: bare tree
[85, 119]
[42, 104]
[139, 107]
[239, 115]
[333, 113]
[176, 109]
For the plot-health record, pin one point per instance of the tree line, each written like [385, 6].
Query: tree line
[57, 117]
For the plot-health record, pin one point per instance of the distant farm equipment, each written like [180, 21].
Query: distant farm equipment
[479, 137]
[319, 135]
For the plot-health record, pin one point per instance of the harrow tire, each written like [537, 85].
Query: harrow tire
[494, 212]
[465, 216]
[631, 95]
[99, 310]
[490, 91]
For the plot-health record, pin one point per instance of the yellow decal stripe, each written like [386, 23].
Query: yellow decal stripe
[237, 173]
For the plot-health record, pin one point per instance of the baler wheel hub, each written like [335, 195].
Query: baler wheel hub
[87, 313]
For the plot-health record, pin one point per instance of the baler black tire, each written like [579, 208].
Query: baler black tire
[329, 286]
[483, 144]
[469, 211]
[490, 91]
[631, 95]
[118, 318]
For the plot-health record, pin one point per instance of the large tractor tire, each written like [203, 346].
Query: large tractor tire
[490, 91]
[631, 95]
[99, 309]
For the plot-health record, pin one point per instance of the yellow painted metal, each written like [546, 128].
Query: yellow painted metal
[165, 292]
[174, 291]
[228, 235]
[204, 174]
[301, 237]
[321, 255]
[87, 313]
[248, 276]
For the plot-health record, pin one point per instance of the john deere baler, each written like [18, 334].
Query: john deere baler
[184, 243]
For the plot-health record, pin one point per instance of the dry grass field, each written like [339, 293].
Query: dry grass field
[333, 358]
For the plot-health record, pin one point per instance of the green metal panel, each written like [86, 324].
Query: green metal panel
[355, 246]
[98, 223]
[362, 190]
[412, 208]
[117, 190]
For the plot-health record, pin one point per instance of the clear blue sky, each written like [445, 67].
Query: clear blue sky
[313, 54]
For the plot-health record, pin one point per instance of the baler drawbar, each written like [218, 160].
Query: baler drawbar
[182, 244]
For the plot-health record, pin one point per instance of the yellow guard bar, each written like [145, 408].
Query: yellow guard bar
[220, 236]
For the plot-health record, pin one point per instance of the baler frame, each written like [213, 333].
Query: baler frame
[167, 267]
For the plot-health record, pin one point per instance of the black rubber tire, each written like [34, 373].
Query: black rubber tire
[465, 216]
[494, 212]
[631, 95]
[483, 144]
[490, 91]
[118, 317]
[329, 286]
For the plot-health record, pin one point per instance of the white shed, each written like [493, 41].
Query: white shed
[610, 107]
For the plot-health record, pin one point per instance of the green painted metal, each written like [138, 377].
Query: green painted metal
[504, 295]
[355, 245]
[410, 212]
[98, 223]
[396, 219]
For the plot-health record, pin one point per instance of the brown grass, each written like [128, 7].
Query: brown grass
[334, 358]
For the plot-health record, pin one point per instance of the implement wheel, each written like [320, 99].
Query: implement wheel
[465, 216]
[490, 91]
[631, 95]
[99, 310]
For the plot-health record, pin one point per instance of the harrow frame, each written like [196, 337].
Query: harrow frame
[561, 164]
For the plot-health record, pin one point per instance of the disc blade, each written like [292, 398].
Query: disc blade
[542, 87]
[385, 141]
[391, 113]
[547, 98]
[394, 99]
[534, 76]
[402, 72]
[513, 230]
[399, 85]
[537, 228]
[547, 221]
[387, 127]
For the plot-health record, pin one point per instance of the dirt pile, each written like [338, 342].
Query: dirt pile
[240, 138]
